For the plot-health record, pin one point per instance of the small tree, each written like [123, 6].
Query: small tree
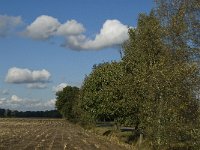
[65, 101]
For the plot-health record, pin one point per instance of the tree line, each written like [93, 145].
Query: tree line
[27, 114]
[154, 87]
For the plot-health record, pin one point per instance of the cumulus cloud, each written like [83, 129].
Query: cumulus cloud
[15, 99]
[8, 23]
[42, 28]
[113, 33]
[45, 27]
[59, 87]
[19, 75]
[23, 104]
[71, 27]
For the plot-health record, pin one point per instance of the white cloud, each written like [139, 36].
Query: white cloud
[42, 28]
[113, 33]
[45, 27]
[75, 42]
[19, 75]
[15, 99]
[8, 23]
[59, 87]
[37, 85]
[71, 27]
[23, 104]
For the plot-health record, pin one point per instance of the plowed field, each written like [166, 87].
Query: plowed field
[49, 134]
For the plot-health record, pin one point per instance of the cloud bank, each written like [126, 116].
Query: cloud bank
[23, 104]
[113, 33]
[8, 23]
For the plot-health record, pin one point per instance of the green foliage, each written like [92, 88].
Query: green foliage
[162, 84]
[180, 19]
[100, 93]
[66, 100]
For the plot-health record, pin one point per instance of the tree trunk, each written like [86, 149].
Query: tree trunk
[140, 141]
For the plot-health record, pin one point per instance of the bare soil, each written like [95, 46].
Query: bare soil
[49, 134]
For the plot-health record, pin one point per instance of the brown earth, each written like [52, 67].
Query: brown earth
[50, 134]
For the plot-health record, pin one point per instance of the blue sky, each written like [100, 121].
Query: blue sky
[45, 43]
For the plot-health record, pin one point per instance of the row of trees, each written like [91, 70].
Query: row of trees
[27, 114]
[155, 86]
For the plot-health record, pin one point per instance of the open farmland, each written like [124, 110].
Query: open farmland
[50, 134]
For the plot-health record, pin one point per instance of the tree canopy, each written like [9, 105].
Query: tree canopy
[65, 101]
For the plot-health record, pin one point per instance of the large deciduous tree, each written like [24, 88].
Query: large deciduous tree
[162, 85]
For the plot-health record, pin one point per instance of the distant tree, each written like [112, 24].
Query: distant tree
[2, 112]
[45, 114]
[65, 101]
[7, 113]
